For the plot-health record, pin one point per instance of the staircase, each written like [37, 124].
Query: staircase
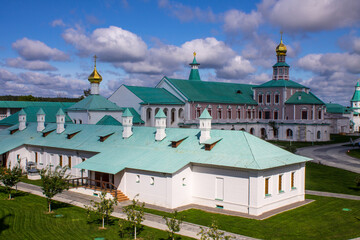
[121, 197]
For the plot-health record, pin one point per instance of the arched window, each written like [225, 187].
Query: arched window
[289, 134]
[263, 133]
[229, 114]
[260, 114]
[276, 114]
[252, 131]
[318, 134]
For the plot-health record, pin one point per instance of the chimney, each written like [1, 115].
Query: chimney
[205, 126]
[22, 120]
[40, 120]
[160, 124]
[127, 122]
[60, 121]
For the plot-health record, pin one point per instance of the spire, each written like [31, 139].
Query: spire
[95, 79]
[281, 68]
[194, 72]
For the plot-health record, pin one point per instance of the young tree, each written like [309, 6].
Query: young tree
[212, 232]
[10, 177]
[54, 182]
[134, 213]
[173, 224]
[104, 208]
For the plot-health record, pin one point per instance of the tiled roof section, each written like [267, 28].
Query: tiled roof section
[108, 120]
[31, 112]
[24, 104]
[151, 95]
[237, 149]
[337, 108]
[95, 103]
[214, 92]
[280, 83]
[304, 98]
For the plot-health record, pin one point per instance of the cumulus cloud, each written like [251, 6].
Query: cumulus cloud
[309, 15]
[57, 22]
[237, 67]
[111, 44]
[236, 21]
[36, 50]
[186, 13]
[30, 65]
[42, 84]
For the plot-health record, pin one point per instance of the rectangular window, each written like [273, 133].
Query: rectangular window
[219, 194]
[152, 181]
[219, 114]
[304, 115]
[276, 115]
[137, 178]
[277, 98]
[18, 157]
[260, 114]
[238, 114]
[268, 98]
[69, 161]
[293, 180]
[60, 160]
[184, 181]
[36, 157]
[280, 183]
[229, 114]
[267, 114]
[249, 114]
[260, 98]
[267, 186]
[319, 114]
[209, 110]
[198, 113]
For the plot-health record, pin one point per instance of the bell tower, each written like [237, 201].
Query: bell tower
[281, 68]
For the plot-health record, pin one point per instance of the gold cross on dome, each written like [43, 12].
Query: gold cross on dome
[194, 54]
[281, 33]
[95, 57]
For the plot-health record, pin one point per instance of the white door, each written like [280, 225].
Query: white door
[219, 191]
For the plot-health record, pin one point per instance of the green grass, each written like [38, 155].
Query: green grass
[334, 138]
[34, 182]
[321, 219]
[354, 153]
[329, 179]
[25, 218]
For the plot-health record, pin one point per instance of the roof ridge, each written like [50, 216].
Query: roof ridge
[252, 154]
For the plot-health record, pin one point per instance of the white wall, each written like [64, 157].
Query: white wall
[182, 185]
[92, 117]
[123, 97]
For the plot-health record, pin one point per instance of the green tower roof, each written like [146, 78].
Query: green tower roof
[60, 112]
[160, 114]
[127, 113]
[205, 115]
[194, 73]
[356, 96]
[22, 112]
[40, 112]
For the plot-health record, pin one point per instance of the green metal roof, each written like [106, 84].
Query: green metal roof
[31, 112]
[280, 83]
[22, 112]
[160, 114]
[237, 149]
[108, 120]
[60, 112]
[24, 104]
[337, 108]
[194, 75]
[214, 92]
[136, 116]
[356, 96]
[40, 112]
[127, 113]
[151, 95]
[281, 64]
[95, 103]
[205, 115]
[304, 98]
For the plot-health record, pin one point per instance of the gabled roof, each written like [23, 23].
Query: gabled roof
[151, 95]
[95, 103]
[24, 104]
[205, 115]
[237, 149]
[108, 120]
[304, 98]
[280, 83]
[31, 112]
[214, 92]
[337, 108]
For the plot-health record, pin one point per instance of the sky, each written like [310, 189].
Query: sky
[47, 47]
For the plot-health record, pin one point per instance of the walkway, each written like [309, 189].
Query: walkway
[151, 220]
[333, 155]
[335, 195]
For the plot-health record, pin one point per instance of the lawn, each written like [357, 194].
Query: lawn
[354, 153]
[321, 219]
[25, 218]
[329, 179]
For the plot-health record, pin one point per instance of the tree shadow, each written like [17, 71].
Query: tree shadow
[357, 189]
[55, 205]
[3, 225]
[14, 193]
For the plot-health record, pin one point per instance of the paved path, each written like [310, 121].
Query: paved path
[151, 220]
[335, 195]
[333, 155]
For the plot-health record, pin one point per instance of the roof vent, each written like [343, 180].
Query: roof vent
[71, 135]
[103, 138]
[238, 92]
[48, 132]
[210, 144]
[176, 143]
[12, 131]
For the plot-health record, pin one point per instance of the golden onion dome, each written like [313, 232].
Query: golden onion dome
[95, 77]
[281, 48]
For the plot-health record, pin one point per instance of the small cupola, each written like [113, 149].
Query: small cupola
[95, 79]
[60, 121]
[160, 124]
[194, 72]
[127, 122]
[22, 120]
[205, 126]
[40, 115]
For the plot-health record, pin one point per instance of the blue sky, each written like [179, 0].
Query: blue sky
[47, 47]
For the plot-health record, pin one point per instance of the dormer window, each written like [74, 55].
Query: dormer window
[103, 138]
[238, 92]
[299, 97]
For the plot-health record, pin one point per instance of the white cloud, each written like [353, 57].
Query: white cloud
[111, 44]
[237, 67]
[236, 21]
[30, 65]
[36, 50]
[310, 15]
[57, 22]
